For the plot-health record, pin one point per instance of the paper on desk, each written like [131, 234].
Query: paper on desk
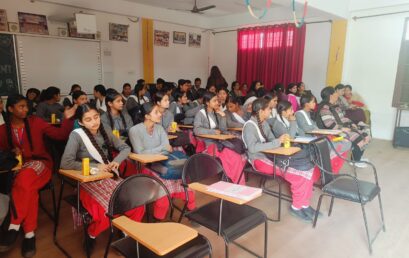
[237, 191]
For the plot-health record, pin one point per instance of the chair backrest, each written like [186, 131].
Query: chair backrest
[136, 191]
[320, 153]
[199, 167]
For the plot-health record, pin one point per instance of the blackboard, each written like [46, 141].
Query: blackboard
[8, 67]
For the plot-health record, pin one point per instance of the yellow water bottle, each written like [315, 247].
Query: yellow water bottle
[19, 157]
[173, 127]
[85, 166]
[287, 143]
[53, 118]
[116, 133]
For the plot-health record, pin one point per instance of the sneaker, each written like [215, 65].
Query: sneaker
[364, 159]
[7, 240]
[360, 165]
[311, 212]
[89, 243]
[300, 214]
[28, 248]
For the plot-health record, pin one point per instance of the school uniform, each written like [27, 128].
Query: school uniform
[95, 195]
[133, 101]
[283, 126]
[166, 120]
[301, 181]
[234, 120]
[101, 105]
[190, 111]
[44, 111]
[117, 123]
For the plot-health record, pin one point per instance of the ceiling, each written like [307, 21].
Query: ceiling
[223, 7]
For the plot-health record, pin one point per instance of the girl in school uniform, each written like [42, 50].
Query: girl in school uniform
[330, 116]
[285, 122]
[78, 98]
[177, 106]
[292, 97]
[92, 141]
[212, 120]
[138, 99]
[193, 107]
[272, 103]
[150, 137]
[236, 115]
[258, 137]
[50, 104]
[223, 96]
[68, 101]
[24, 136]
[116, 118]
[99, 93]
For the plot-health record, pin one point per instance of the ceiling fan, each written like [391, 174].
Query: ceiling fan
[197, 9]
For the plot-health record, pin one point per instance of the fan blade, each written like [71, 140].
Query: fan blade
[205, 8]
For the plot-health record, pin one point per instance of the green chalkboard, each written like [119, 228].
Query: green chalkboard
[8, 66]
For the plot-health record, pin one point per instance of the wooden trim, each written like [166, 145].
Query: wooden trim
[147, 50]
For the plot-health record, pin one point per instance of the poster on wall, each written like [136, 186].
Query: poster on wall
[72, 31]
[195, 39]
[118, 32]
[33, 23]
[161, 38]
[8, 69]
[179, 37]
[3, 20]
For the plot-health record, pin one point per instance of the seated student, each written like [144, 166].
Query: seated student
[2, 113]
[357, 115]
[223, 97]
[236, 115]
[67, 102]
[150, 138]
[301, 89]
[50, 104]
[258, 137]
[162, 100]
[99, 93]
[78, 98]
[273, 99]
[254, 89]
[136, 100]
[280, 92]
[212, 120]
[292, 97]
[126, 91]
[116, 118]
[356, 102]
[176, 107]
[195, 88]
[211, 88]
[285, 122]
[330, 116]
[235, 90]
[24, 136]
[33, 98]
[193, 107]
[156, 87]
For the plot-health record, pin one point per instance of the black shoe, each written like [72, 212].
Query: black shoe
[311, 212]
[300, 214]
[7, 240]
[89, 244]
[28, 248]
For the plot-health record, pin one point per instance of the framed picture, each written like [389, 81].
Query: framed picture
[161, 38]
[3, 20]
[118, 32]
[13, 27]
[194, 39]
[33, 23]
[63, 32]
[72, 31]
[179, 37]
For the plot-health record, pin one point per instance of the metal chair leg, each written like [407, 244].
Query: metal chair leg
[366, 228]
[330, 206]
[381, 209]
[265, 238]
[279, 201]
[226, 248]
[111, 233]
[317, 211]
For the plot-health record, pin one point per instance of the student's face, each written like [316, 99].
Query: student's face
[245, 86]
[301, 88]
[347, 92]
[236, 86]
[159, 86]
[198, 83]
[127, 90]
[184, 87]
[32, 96]
[265, 113]
[117, 104]
[341, 92]
[189, 85]
[273, 103]
[333, 98]
[287, 113]
[311, 105]
[214, 103]
[222, 96]
[19, 110]
[97, 94]
[293, 89]
[155, 115]
[57, 97]
[164, 103]
[142, 92]
[183, 99]
[212, 89]
[232, 107]
[91, 120]
[81, 100]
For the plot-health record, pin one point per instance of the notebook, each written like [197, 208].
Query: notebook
[242, 192]
[304, 139]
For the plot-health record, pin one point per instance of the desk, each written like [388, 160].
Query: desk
[161, 238]
[146, 159]
[235, 129]
[325, 132]
[283, 151]
[220, 137]
[203, 189]
[186, 126]
[172, 137]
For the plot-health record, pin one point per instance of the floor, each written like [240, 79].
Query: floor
[341, 235]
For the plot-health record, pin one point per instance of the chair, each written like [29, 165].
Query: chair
[227, 219]
[345, 186]
[141, 190]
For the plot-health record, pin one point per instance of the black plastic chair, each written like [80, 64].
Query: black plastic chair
[139, 190]
[227, 219]
[345, 186]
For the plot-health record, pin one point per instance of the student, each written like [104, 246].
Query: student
[24, 136]
[357, 115]
[279, 91]
[236, 115]
[216, 78]
[258, 137]
[272, 100]
[33, 97]
[292, 97]
[285, 122]
[94, 142]
[183, 87]
[50, 104]
[212, 120]
[301, 89]
[67, 102]
[79, 98]
[161, 99]
[99, 94]
[223, 97]
[330, 116]
[176, 107]
[255, 89]
[116, 118]
[244, 89]
[126, 91]
[236, 92]
[195, 88]
[138, 99]
[150, 138]
[193, 107]
[211, 88]
[2, 113]
[156, 88]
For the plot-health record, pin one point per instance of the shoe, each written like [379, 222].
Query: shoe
[28, 248]
[358, 164]
[364, 159]
[300, 214]
[311, 212]
[89, 244]
[7, 240]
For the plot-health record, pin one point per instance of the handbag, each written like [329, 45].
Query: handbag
[172, 167]
[299, 161]
[234, 144]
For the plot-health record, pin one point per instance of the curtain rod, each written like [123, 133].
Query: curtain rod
[377, 15]
[223, 31]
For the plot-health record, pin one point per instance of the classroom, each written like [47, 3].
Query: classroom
[204, 128]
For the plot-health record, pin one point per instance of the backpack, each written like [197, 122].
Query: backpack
[172, 167]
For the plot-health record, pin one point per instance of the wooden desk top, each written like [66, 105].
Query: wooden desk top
[185, 126]
[172, 137]
[78, 176]
[147, 158]
[326, 132]
[203, 189]
[161, 238]
[221, 137]
[236, 129]
[283, 151]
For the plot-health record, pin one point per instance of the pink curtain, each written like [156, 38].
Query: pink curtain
[271, 54]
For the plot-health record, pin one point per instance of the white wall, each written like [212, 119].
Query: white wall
[225, 54]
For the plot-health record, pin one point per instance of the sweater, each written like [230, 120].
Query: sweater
[144, 143]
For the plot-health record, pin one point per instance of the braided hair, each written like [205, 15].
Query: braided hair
[282, 106]
[206, 99]
[258, 105]
[140, 85]
[111, 96]
[81, 110]
[11, 101]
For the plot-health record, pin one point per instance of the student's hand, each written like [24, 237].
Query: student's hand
[291, 118]
[169, 148]
[70, 112]
[345, 129]
[113, 165]
[217, 131]
[284, 137]
[220, 112]
[104, 168]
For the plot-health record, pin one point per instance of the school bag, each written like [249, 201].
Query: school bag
[172, 167]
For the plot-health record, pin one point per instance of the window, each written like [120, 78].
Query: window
[269, 39]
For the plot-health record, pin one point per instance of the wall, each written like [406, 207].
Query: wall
[224, 54]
